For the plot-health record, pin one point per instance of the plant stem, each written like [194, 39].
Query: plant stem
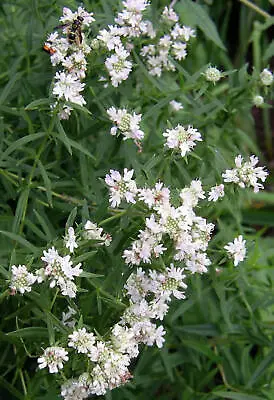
[37, 157]
[255, 8]
[23, 382]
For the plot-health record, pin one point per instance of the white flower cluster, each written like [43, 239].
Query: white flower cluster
[212, 74]
[131, 19]
[69, 51]
[216, 192]
[149, 295]
[236, 249]
[108, 361]
[92, 232]
[182, 139]
[121, 187]
[53, 358]
[126, 123]
[129, 24]
[158, 56]
[190, 234]
[21, 279]
[58, 270]
[246, 173]
[266, 77]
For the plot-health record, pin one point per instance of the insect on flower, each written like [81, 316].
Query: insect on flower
[49, 49]
[73, 30]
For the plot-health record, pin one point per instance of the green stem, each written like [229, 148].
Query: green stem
[105, 221]
[256, 45]
[23, 382]
[37, 157]
[255, 8]
[267, 132]
[54, 299]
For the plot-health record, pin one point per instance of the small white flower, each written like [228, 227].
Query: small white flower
[236, 249]
[246, 173]
[212, 74]
[179, 50]
[216, 192]
[258, 100]
[81, 340]
[176, 105]
[65, 112]
[182, 33]
[190, 195]
[182, 139]
[93, 232]
[170, 15]
[111, 38]
[74, 390]
[127, 123]
[70, 240]
[68, 87]
[67, 319]
[156, 196]
[54, 358]
[266, 77]
[121, 187]
[118, 66]
[21, 279]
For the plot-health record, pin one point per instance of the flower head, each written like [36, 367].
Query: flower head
[258, 100]
[70, 240]
[212, 74]
[118, 66]
[125, 122]
[216, 192]
[246, 173]
[182, 139]
[236, 249]
[21, 279]
[81, 340]
[53, 358]
[68, 87]
[266, 77]
[121, 187]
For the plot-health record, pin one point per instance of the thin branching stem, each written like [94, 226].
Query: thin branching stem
[255, 8]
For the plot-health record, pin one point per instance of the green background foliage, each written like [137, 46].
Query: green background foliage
[219, 340]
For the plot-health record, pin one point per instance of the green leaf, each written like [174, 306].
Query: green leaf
[47, 182]
[86, 274]
[21, 208]
[201, 18]
[237, 396]
[20, 143]
[63, 136]
[10, 388]
[4, 272]
[82, 149]
[37, 104]
[9, 86]
[85, 256]
[260, 370]
[34, 331]
[21, 240]
[71, 218]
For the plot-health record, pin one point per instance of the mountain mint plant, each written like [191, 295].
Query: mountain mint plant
[140, 177]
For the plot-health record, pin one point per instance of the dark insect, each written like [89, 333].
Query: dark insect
[74, 33]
